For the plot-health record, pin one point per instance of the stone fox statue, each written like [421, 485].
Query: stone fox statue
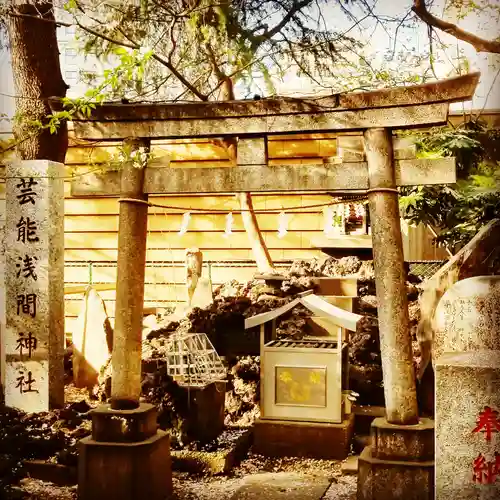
[194, 262]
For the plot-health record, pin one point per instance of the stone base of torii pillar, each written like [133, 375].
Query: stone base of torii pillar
[126, 457]
[399, 463]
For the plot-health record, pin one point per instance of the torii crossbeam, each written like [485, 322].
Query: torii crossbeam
[373, 114]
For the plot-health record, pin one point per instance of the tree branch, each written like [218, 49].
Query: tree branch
[156, 57]
[257, 41]
[11, 13]
[480, 44]
[107, 38]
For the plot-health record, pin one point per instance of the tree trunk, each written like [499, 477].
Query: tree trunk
[259, 249]
[37, 77]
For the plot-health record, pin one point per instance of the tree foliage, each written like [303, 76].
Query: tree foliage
[227, 49]
[204, 49]
[458, 212]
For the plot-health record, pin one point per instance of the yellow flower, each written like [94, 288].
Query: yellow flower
[285, 377]
[315, 377]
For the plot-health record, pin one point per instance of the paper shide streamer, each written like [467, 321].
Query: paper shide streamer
[282, 224]
[229, 225]
[185, 222]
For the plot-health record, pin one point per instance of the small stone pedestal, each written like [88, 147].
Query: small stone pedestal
[399, 465]
[283, 438]
[126, 457]
[206, 411]
[273, 282]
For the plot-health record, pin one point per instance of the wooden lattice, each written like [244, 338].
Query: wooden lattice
[192, 360]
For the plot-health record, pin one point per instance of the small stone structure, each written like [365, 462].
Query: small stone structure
[126, 457]
[34, 284]
[305, 406]
[467, 391]
[399, 463]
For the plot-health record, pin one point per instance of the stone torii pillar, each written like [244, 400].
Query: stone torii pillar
[399, 463]
[125, 439]
[390, 281]
[131, 265]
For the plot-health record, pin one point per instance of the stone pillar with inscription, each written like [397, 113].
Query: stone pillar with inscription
[467, 349]
[34, 283]
[2, 300]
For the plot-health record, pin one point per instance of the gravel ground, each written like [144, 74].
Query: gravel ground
[189, 487]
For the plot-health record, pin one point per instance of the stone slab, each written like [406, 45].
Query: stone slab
[350, 465]
[62, 475]
[403, 442]
[282, 486]
[467, 317]
[282, 438]
[467, 384]
[34, 285]
[127, 471]
[203, 295]
[394, 480]
[339, 287]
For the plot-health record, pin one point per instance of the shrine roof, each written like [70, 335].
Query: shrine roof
[315, 304]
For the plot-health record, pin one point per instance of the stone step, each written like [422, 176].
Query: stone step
[282, 486]
[350, 465]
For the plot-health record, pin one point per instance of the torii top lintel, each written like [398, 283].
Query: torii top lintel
[399, 107]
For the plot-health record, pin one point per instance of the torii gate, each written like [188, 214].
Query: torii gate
[374, 114]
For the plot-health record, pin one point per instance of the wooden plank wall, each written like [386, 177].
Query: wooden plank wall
[91, 224]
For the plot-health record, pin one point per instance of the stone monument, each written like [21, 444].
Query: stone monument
[34, 285]
[468, 317]
[467, 343]
[2, 302]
